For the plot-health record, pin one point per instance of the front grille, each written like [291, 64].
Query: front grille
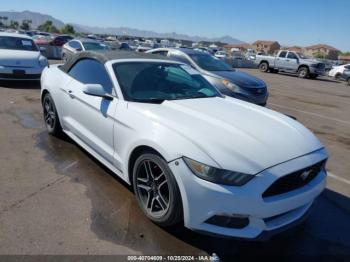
[19, 77]
[321, 66]
[294, 180]
[257, 91]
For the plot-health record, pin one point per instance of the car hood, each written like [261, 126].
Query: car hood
[240, 78]
[18, 58]
[235, 134]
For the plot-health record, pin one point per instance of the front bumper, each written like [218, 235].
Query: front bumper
[317, 71]
[29, 73]
[203, 200]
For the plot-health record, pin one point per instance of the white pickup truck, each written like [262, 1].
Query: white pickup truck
[291, 62]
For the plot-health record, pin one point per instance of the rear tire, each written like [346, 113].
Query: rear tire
[156, 190]
[51, 119]
[337, 76]
[303, 72]
[264, 67]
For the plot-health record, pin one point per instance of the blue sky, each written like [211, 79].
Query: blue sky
[300, 22]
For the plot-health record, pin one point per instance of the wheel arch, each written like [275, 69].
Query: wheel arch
[135, 153]
[304, 65]
[264, 61]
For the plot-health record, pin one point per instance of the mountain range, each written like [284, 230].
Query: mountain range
[38, 19]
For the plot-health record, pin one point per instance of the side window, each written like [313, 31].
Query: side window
[89, 71]
[163, 53]
[291, 55]
[347, 67]
[283, 54]
[75, 45]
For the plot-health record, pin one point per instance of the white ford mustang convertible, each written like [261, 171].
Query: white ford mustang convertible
[220, 165]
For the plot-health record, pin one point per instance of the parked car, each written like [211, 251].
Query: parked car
[345, 76]
[337, 71]
[78, 45]
[60, 40]
[20, 58]
[221, 55]
[291, 62]
[229, 81]
[219, 164]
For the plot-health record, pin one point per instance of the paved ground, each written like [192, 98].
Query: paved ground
[55, 199]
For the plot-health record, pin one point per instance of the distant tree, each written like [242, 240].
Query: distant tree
[345, 53]
[26, 24]
[68, 29]
[14, 24]
[319, 55]
[48, 27]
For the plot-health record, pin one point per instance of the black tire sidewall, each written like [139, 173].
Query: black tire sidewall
[263, 67]
[56, 130]
[174, 213]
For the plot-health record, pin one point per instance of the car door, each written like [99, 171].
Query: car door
[281, 60]
[91, 118]
[291, 62]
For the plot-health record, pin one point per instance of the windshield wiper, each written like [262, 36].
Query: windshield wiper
[150, 100]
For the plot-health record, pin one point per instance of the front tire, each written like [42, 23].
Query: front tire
[51, 119]
[348, 81]
[303, 72]
[156, 190]
[264, 67]
[337, 76]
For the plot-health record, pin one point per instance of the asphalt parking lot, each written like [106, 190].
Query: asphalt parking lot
[56, 199]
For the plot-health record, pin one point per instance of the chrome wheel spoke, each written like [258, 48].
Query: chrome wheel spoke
[163, 204]
[145, 187]
[162, 184]
[152, 188]
[148, 169]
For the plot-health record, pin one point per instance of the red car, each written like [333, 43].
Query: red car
[60, 40]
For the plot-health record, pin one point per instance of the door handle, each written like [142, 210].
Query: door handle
[70, 92]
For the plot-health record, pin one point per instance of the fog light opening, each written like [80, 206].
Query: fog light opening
[229, 221]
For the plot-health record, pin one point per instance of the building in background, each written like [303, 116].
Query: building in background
[267, 47]
[322, 51]
[241, 47]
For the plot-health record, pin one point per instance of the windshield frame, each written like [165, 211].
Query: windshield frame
[154, 100]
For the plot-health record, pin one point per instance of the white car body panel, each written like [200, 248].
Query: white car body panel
[337, 70]
[27, 61]
[220, 132]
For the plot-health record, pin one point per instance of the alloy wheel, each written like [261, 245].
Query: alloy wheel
[49, 113]
[152, 188]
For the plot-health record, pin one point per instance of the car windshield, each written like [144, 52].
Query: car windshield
[209, 62]
[94, 46]
[154, 82]
[17, 43]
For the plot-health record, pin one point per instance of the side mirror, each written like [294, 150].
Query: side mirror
[79, 49]
[42, 49]
[96, 90]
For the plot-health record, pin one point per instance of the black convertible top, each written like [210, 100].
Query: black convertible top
[104, 56]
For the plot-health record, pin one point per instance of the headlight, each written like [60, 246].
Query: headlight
[43, 61]
[216, 175]
[230, 85]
